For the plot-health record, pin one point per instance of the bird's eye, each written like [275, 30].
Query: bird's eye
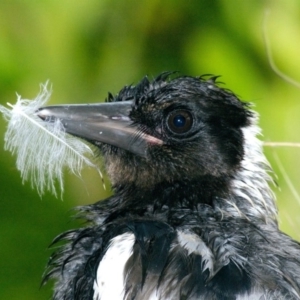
[179, 121]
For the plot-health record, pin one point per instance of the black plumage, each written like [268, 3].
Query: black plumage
[190, 192]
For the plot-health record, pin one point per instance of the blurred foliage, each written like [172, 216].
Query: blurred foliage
[87, 48]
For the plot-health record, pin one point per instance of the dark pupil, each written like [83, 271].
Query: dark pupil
[179, 121]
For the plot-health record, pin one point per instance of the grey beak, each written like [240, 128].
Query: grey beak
[107, 123]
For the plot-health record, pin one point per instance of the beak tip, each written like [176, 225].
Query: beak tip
[41, 116]
[43, 113]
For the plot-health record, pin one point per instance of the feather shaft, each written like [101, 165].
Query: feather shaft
[43, 149]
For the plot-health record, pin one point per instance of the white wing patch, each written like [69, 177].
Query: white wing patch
[110, 274]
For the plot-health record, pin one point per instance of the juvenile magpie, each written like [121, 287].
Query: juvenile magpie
[192, 215]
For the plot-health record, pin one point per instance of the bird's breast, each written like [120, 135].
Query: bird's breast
[166, 265]
[110, 281]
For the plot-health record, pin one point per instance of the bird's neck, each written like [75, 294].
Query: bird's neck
[186, 193]
[239, 196]
[246, 193]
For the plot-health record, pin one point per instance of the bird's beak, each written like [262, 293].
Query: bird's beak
[105, 122]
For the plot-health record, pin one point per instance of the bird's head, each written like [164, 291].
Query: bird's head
[165, 130]
[180, 139]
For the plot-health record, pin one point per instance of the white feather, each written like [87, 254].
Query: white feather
[110, 274]
[43, 149]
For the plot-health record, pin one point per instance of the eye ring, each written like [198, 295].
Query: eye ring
[179, 121]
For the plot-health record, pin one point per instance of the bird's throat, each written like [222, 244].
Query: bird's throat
[186, 193]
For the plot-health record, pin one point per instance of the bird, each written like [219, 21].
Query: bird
[192, 215]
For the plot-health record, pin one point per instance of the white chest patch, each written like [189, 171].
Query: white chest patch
[110, 274]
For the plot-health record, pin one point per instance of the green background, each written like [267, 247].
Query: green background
[87, 48]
